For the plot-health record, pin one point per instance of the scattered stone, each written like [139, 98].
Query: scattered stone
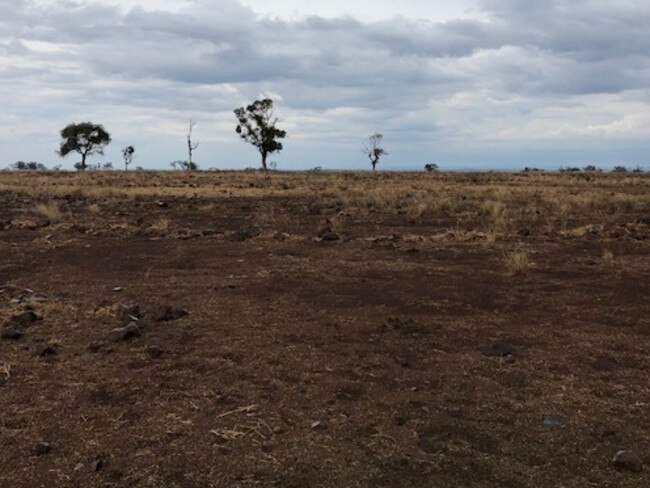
[97, 464]
[133, 330]
[628, 461]
[318, 425]
[330, 236]
[117, 289]
[46, 351]
[42, 448]
[96, 346]
[167, 313]
[155, 351]
[247, 233]
[162, 204]
[24, 319]
[117, 335]
[11, 333]
[279, 429]
[129, 312]
[524, 231]
[499, 349]
[555, 421]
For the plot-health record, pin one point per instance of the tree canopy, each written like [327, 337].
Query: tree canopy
[257, 126]
[85, 138]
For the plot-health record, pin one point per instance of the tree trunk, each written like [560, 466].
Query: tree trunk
[83, 161]
[264, 156]
[374, 165]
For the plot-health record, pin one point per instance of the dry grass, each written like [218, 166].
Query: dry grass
[50, 211]
[518, 262]
[608, 258]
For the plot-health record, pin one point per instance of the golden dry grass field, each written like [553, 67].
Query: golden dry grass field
[324, 330]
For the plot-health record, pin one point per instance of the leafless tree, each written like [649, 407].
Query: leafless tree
[191, 147]
[373, 149]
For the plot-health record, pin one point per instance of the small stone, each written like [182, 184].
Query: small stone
[318, 425]
[524, 231]
[129, 312]
[24, 319]
[96, 346]
[499, 350]
[42, 448]
[330, 236]
[117, 335]
[155, 351]
[11, 333]
[554, 421]
[628, 460]
[117, 289]
[133, 330]
[97, 464]
[46, 351]
[162, 204]
[279, 429]
[167, 313]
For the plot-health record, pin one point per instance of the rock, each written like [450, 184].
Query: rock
[318, 425]
[42, 448]
[24, 319]
[46, 351]
[628, 461]
[330, 236]
[11, 333]
[162, 204]
[117, 289]
[155, 351]
[554, 421]
[117, 335]
[167, 313]
[129, 312]
[96, 346]
[97, 464]
[247, 233]
[499, 349]
[279, 429]
[524, 231]
[133, 330]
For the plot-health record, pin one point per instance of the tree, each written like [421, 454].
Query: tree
[127, 154]
[590, 168]
[31, 166]
[373, 149]
[86, 139]
[619, 169]
[431, 167]
[191, 147]
[257, 126]
[184, 165]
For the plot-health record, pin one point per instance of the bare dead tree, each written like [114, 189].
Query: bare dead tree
[191, 147]
[373, 149]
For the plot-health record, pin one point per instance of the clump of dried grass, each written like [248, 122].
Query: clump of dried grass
[49, 210]
[518, 262]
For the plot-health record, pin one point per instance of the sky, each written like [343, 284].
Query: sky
[480, 84]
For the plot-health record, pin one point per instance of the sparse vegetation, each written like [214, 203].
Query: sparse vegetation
[373, 149]
[85, 139]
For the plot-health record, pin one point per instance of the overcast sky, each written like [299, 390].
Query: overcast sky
[482, 84]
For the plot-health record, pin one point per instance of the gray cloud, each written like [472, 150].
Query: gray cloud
[463, 80]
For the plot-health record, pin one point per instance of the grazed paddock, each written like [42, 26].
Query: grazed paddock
[370, 330]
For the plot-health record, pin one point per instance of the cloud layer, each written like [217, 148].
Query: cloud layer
[556, 82]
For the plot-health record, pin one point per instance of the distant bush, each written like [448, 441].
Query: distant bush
[431, 167]
[619, 169]
[569, 169]
[590, 168]
[532, 170]
[31, 166]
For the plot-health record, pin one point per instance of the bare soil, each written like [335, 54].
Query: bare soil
[366, 361]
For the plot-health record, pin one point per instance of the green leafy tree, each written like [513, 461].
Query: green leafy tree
[86, 139]
[373, 149]
[257, 126]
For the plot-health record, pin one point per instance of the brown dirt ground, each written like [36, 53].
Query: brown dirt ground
[379, 336]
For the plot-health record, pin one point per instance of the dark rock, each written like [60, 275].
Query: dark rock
[129, 312]
[155, 351]
[11, 333]
[499, 349]
[524, 231]
[330, 236]
[555, 421]
[46, 350]
[133, 330]
[24, 319]
[162, 204]
[247, 233]
[97, 464]
[628, 461]
[42, 448]
[96, 346]
[167, 313]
